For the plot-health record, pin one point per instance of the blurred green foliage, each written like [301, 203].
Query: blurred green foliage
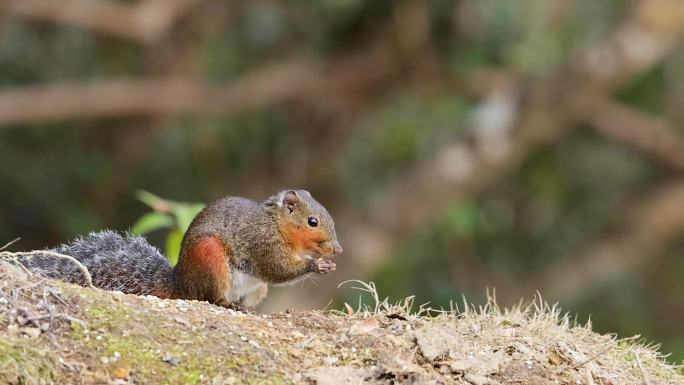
[175, 217]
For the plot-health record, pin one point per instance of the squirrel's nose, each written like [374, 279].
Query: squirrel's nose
[337, 248]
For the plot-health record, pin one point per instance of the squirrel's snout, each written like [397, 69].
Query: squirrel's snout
[337, 248]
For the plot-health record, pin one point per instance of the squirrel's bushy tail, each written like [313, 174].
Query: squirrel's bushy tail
[116, 261]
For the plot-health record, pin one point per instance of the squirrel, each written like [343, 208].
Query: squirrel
[232, 250]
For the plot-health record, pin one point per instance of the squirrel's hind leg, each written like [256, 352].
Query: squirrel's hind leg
[248, 302]
[253, 298]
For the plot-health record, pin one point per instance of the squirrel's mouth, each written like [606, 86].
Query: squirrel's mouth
[319, 253]
[323, 254]
[330, 249]
[311, 254]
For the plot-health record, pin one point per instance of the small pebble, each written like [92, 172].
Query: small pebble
[171, 360]
[32, 333]
[330, 360]
[297, 334]
[121, 373]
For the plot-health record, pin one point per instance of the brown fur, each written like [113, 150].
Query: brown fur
[202, 271]
[270, 241]
[162, 292]
[232, 250]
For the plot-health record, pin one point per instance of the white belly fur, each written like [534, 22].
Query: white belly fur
[296, 280]
[241, 284]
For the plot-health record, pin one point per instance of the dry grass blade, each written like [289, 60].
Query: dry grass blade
[10, 243]
[641, 369]
[383, 305]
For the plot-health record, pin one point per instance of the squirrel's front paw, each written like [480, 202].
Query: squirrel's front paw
[324, 266]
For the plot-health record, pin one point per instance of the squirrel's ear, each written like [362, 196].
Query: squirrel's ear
[290, 200]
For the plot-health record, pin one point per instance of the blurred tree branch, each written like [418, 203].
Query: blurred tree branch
[112, 98]
[649, 34]
[653, 222]
[145, 21]
[650, 134]
[301, 81]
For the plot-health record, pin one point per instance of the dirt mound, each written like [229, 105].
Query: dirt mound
[52, 332]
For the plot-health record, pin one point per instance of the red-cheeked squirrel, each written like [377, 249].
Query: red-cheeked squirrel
[232, 250]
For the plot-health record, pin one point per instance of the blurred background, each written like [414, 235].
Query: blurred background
[460, 145]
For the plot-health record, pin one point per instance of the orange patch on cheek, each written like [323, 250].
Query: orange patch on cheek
[208, 253]
[304, 239]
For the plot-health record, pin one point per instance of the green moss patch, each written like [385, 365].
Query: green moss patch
[21, 362]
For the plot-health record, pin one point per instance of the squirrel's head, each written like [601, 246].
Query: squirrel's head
[305, 223]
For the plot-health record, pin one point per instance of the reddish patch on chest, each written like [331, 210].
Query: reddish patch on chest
[208, 254]
[302, 238]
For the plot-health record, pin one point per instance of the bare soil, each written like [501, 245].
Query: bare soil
[56, 333]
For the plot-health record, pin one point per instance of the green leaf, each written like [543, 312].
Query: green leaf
[156, 203]
[185, 213]
[150, 222]
[173, 246]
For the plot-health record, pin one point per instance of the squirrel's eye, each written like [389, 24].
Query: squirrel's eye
[313, 222]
